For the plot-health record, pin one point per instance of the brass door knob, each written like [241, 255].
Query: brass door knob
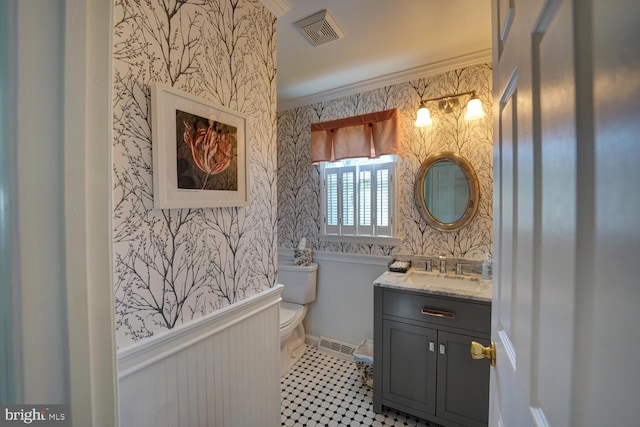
[478, 351]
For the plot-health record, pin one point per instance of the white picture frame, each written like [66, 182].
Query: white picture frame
[199, 149]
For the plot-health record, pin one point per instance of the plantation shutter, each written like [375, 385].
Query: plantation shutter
[359, 200]
[332, 202]
[384, 197]
[348, 192]
[365, 200]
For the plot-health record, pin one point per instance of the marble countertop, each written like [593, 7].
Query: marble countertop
[458, 286]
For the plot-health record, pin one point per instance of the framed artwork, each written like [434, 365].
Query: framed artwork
[199, 152]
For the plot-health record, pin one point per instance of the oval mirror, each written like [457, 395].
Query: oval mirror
[446, 191]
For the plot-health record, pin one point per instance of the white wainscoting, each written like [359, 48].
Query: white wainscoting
[343, 309]
[222, 370]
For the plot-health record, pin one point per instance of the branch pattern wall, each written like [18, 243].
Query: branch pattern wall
[299, 181]
[173, 266]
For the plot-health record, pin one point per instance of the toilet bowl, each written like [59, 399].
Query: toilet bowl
[299, 289]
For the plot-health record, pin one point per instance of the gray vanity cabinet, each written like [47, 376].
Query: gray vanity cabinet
[410, 380]
[422, 365]
[463, 384]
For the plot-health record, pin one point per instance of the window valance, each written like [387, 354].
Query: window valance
[369, 135]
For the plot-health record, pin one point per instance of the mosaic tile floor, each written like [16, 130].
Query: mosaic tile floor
[323, 390]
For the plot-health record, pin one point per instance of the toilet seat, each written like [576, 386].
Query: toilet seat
[291, 316]
[287, 316]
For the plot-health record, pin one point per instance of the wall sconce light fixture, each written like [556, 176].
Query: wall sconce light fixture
[447, 104]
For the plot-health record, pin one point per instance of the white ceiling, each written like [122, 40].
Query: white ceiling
[382, 38]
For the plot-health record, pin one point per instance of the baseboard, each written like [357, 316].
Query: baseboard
[312, 340]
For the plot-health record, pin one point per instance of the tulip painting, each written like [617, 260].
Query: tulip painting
[208, 162]
[200, 152]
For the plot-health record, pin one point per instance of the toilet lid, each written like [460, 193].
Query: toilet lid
[286, 316]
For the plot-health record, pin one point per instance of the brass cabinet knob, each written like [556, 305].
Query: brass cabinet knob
[478, 351]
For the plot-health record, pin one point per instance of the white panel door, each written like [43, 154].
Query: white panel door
[562, 307]
[516, 213]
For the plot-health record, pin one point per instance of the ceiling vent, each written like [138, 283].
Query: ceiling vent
[320, 28]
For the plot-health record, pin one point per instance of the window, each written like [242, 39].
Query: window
[359, 197]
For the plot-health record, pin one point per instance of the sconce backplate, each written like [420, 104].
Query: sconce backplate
[448, 104]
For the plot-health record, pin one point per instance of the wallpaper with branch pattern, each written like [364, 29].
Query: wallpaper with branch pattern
[173, 266]
[299, 181]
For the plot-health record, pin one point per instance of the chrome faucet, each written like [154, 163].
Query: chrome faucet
[443, 264]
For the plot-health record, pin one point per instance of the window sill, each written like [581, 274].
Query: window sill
[367, 240]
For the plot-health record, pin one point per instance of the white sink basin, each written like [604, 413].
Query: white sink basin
[426, 278]
[444, 283]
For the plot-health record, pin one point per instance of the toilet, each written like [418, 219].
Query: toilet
[299, 289]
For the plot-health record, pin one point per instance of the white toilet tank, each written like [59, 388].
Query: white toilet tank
[299, 282]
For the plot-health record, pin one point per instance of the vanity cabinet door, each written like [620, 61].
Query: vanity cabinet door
[409, 368]
[463, 383]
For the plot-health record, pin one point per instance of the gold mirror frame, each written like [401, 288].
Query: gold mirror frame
[472, 183]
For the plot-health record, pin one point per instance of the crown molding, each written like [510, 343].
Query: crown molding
[277, 7]
[475, 58]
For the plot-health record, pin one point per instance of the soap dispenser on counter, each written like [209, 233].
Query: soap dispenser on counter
[487, 267]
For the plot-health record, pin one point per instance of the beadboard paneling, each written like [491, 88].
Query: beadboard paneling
[222, 370]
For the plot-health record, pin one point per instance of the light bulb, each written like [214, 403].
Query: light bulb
[474, 109]
[424, 117]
